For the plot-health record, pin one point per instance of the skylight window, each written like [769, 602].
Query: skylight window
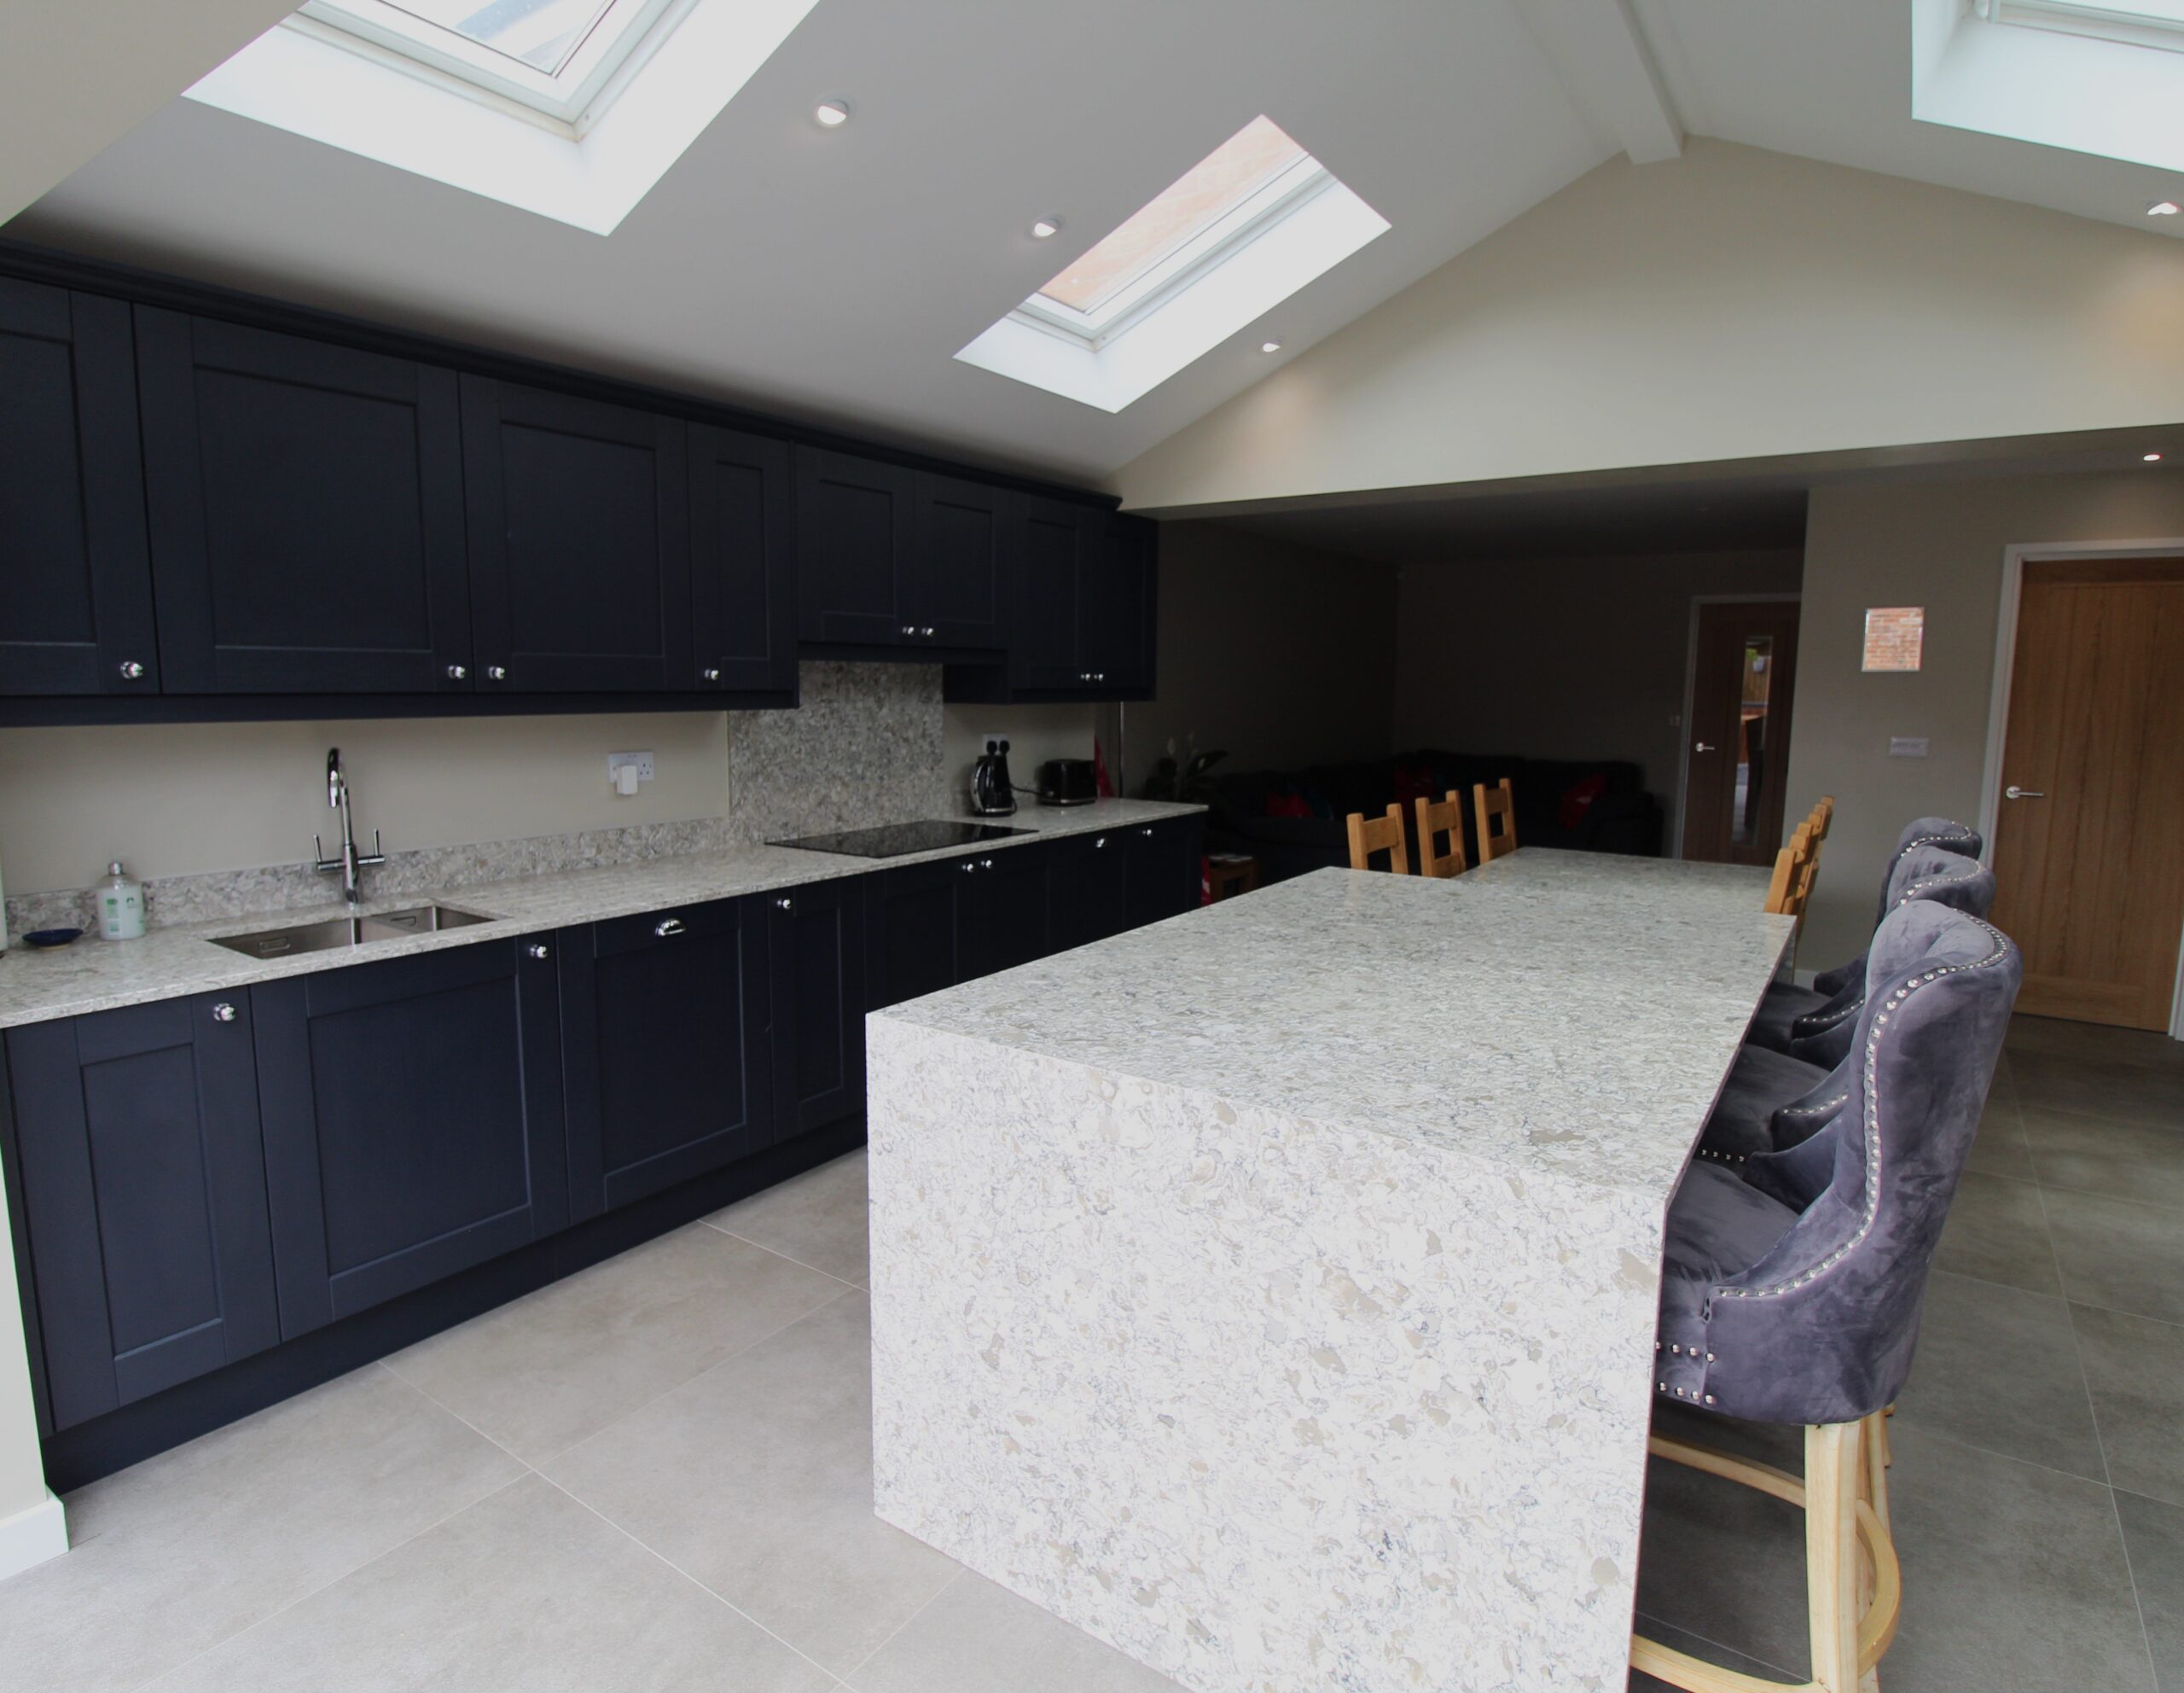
[1240, 231]
[517, 99]
[2136, 23]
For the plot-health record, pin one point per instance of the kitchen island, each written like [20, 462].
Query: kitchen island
[1271, 1292]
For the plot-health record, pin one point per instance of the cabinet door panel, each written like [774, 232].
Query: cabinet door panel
[1004, 919]
[145, 1198]
[817, 944]
[665, 1036]
[1163, 863]
[1088, 897]
[1043, 627]
[963, 537]
[854, 536]
[306, 513]
[412, 1123]
[75, 577]
[579, 543]
[1115, 606]
[742, 561]
[911, 931]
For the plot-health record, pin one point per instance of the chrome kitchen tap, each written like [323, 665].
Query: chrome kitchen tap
[350, 862]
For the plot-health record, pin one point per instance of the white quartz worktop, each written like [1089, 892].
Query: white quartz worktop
[1271, 1292]
[98, 976]
[1563, 1010]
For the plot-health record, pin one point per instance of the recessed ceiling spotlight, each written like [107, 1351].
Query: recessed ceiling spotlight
[1270, 346]
[2150, 457]
[2163, 208]
[1043, 228]
[832, 113]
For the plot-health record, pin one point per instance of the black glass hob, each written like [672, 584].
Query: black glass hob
[893, 840]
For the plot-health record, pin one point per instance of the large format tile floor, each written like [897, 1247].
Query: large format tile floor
[658, 1475]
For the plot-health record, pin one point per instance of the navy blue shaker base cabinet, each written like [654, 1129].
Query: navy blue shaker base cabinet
[815, 944]
[413, 1122]
[665, 1033]
[136, 1139]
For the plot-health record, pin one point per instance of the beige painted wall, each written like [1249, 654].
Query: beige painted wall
[1035, 734]
[1939, 544]
[174, 799]
[1731, 304]
[1563, 658]
[1283, 655]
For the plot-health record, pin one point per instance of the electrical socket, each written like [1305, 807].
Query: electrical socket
[642, 760]
[987, 735]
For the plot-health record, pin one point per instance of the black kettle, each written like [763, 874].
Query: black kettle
[992, 793]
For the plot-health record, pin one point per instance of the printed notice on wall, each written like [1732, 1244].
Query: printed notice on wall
[1894, 636]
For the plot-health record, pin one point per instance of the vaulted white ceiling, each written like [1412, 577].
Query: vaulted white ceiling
[833, 275]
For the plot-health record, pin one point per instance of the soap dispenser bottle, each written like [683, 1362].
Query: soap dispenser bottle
[121, 904]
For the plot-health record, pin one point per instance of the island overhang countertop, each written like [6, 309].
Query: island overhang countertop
[1271, 1292]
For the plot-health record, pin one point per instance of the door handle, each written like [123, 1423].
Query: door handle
[666, 927]
[1704, 747]
[2014, 792]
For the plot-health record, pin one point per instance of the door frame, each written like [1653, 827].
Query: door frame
[2015, 557]
[1690, 690]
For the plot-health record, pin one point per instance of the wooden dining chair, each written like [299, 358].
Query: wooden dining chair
[1491, 803]
[1437, 817]
[1787, 887]
[1381, 834]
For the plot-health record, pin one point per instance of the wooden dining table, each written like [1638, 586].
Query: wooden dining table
[1271, 1291]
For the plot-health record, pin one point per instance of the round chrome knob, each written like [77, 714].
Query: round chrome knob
[786, 905]
[985, 863]
[1146, 833]
[927, 631]
[223, 1013]
[970, 865]
[1101, 842]
[712, 674]
[909, 629]
[132, 670]
[458, 672]
[537, 950]
[497, 672]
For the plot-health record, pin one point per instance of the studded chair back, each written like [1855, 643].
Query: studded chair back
[1379, 834]
[1441, 817]
[1927, 873]
[1945, 833]
[1819, 1327]
[1495, 806]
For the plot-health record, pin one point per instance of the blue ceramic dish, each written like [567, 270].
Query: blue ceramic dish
[45, 939]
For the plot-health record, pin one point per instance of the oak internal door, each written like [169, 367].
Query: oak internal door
[1737, 745]
[2088, 844]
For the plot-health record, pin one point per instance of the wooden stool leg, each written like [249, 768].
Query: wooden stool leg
[1832, 1486]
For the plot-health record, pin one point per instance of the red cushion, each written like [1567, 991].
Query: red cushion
[1577, 800]
[1289, 805]
[1413, 781]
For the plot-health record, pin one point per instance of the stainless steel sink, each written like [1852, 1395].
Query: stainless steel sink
[331, 934]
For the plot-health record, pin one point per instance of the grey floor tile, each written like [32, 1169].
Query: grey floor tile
[757, 1479]
[2153, 1534]
[979, 1637]
[1723, 1562]
[2096, 1087]
[819, 1217]
[1996, 1368]
[2116, 1254]
[2093, 1042]
[1683, 1641]
[540, 1375]
[2134, 1369]
[2000, 1149]
[176, 1554]
[525, 1592]
[2106, 1155]
[2014, 1577]
[1998, 1232]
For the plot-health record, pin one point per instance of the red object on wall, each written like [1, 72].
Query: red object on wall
[1102, 784]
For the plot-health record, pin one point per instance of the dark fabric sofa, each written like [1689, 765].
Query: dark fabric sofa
[1552, 806]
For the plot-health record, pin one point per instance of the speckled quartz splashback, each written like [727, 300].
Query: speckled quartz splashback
[865, 746]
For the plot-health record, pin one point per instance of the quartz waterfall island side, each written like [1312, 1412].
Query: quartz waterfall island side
[1271, 1292]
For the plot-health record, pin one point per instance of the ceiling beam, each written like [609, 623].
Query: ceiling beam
[1599, 49]
[77, 75]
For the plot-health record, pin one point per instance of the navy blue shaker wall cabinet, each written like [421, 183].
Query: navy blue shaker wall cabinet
[665, 1031]
[742, 561]
[307, 513]
[414, 1121]
[75, 577]
[1081, 588]
[143, 1198]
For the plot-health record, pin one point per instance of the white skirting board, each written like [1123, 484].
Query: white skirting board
[31, 1536]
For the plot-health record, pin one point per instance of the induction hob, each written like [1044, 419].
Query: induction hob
[893, 840]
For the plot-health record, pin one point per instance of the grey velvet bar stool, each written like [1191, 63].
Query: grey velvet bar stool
[1785, 1002]
[1811, 1317]
[1769, 1093]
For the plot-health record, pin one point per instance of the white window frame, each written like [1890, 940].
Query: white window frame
[611, 55]
[2101, 23]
